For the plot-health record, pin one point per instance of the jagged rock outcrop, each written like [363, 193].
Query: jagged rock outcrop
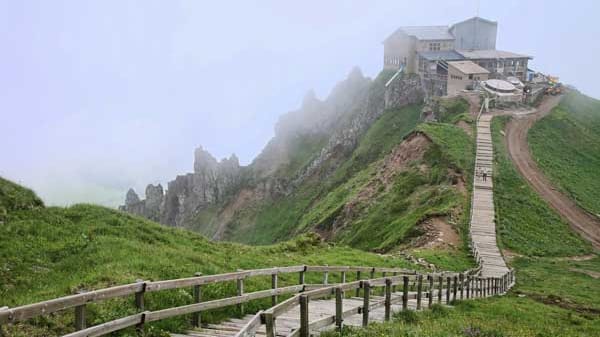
[222, 189]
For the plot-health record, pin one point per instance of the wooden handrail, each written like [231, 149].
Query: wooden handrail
[311, 291]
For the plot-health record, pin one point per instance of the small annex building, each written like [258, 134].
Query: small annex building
[463, 75]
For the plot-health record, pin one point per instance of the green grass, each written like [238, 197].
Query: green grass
[566, 146]
[315, 200]
[525, 222]
[14, 197]
[508, 316]
[51, 252]
[555, 294]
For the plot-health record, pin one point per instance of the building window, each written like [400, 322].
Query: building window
[471, 77]
[434, 46]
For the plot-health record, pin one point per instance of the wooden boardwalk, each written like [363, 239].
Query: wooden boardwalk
[318, 309]
[483, 228]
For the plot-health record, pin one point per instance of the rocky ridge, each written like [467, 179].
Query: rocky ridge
[339, 120]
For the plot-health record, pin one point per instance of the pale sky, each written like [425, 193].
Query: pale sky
[98, 96]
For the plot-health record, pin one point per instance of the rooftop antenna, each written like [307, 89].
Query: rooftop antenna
[475, 46]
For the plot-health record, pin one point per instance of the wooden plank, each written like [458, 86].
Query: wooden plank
[46, 307]
[250, 327]
[214, 304]
[108, 327]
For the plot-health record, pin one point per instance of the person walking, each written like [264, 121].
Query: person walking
[484, 174]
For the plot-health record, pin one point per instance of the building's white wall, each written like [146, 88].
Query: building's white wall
[398, 49]
[475, 34]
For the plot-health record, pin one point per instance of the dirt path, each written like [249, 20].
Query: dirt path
[516, 138]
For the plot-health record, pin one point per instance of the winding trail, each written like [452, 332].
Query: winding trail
[587, 225]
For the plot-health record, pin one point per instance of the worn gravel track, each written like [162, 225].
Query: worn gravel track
[587, 225]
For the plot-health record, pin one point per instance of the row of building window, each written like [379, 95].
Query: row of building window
[454, 77]
[394, 60]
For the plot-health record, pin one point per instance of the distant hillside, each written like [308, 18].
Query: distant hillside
[354, 163]
[51, 252]
[14, 197]
[566, 146]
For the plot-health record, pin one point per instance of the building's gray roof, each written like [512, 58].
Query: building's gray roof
[468, 67]
[490, 54]
[448, 55]
[427, 32]
[475, 18]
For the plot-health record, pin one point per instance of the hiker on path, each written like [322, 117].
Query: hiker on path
[484, 174]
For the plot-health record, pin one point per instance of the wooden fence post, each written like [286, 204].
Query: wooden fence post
[240, 291]
[326, 276]
[388, 299]
[270, 321]
[303, 316]
[496, 285]
[481, 289]
[461, 279]
[394, 286]
[454, 287]
[404, 292]
[419, 290]
[372, 276]
[139, 296]
[358, 289]
[301, 276]
[430, 299]
[339, 305]
[365, 309]
[139, 304]
[448, 289]
[343, 277]
[468, 286]
[274, 286]
[197, 294]
[80, 314]
[440, 288]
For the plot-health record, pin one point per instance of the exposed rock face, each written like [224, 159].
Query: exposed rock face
[369, 106]
[154, 202]
[226, 187]
[211, 182]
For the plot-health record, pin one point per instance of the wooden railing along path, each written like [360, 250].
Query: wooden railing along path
[448, 284]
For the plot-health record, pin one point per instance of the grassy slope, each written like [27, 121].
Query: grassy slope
[51, 252]
[554, 295]
[566, 146]
[277, 220]
[527, 225]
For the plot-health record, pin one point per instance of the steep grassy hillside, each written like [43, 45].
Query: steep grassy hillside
[566, 146]
[557, 291]
[51, 252]
[525, 221]
[388, 185]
